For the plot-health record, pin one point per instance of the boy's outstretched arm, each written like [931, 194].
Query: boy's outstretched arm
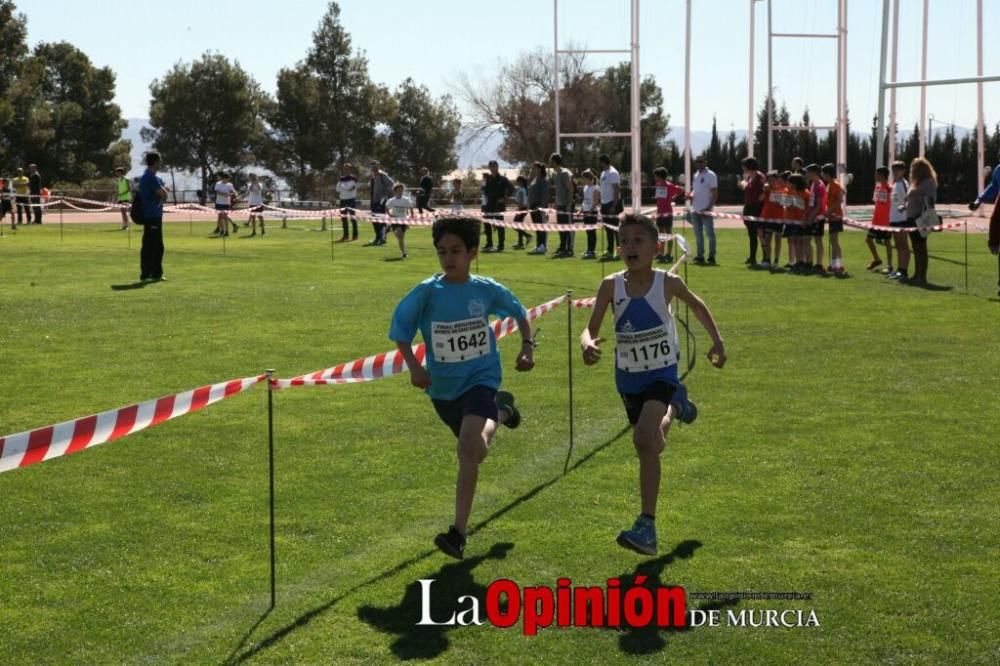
[526, 357]
[589, 340]
[675, 287]
[419, 376]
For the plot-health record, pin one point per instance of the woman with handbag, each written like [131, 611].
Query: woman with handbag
[920, 214]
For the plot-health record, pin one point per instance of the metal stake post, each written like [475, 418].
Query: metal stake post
[569, 371]
[270, 473]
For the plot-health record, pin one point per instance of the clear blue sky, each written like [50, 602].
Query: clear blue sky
[434, 41]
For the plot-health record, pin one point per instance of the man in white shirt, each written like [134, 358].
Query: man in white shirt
[704, 194]
[225, 197]
[611, 198]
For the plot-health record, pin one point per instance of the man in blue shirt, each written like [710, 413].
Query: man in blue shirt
[990, 195]
[152, 192]
[463, 366]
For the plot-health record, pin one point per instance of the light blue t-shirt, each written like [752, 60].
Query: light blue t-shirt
[453, 320]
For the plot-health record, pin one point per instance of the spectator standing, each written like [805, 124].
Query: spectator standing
[255, 200]
[753, 192]
[347, 196]
[921, 197]
[897, 219]
[380, 186]
[35, 190]
[124, 195]
[538, 197]
[21, 197]
[564, 204]
[7, 203]
[521, 199]
[611, 198]
[496, 189]
[591, 204]
[991, 195]
[704, 194]
[424, 194]
[152, 193]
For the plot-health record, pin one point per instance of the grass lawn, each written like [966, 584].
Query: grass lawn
[848, 449]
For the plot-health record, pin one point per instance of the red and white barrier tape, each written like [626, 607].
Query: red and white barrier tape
[901, 230]
[33, 446]
[391, 363]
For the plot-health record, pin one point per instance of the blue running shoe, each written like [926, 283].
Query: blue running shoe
[641, 538]
[684, 409]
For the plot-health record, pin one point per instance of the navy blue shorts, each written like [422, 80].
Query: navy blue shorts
[665, 223]
[836, 226]
[658, 391]
[477, 401]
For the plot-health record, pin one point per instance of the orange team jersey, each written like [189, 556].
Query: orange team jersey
[796, 211]
[835, 200]
[773, 208]
[883, 191]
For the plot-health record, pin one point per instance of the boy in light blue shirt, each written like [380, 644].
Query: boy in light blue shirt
[463, 374]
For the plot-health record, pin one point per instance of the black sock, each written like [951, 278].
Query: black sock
[649, 517]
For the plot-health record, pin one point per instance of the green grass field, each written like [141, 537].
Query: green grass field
[848, 449]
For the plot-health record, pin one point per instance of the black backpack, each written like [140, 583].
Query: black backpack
[135, 210]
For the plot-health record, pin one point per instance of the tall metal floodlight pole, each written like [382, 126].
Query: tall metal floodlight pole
[923, 88]
[880, 122]
[687, 96]
[980, 129]
[752, 66]
[770, 91]
[636, 113]
[842, 90]
[892, 93]
[924, 82]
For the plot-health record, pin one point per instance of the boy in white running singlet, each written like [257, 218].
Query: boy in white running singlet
[646, 358]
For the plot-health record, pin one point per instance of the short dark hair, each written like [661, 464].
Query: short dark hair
[798, 159]
[539, 165]
[492, 163]
[750, 163]
[556, 157]
[813, 168]
[798, 181]
[604, 159]
[883, 171]
[152, 158]
[828, 170]
[661, 172]
[521, 180]
[635, 220]
[466, 228]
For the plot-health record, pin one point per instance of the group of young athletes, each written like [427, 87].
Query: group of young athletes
[463, 374]
[799, 206]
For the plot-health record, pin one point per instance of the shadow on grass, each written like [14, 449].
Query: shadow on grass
[301, 621]
[129, 287]
[651, 639]
[450, 582]
[929, 286]
[938, 257]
